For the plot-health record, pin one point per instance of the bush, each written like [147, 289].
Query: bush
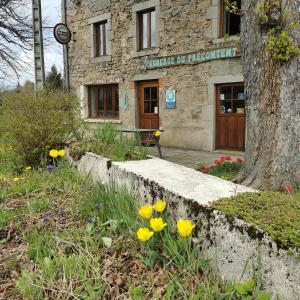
[33, 123]
[107, 141]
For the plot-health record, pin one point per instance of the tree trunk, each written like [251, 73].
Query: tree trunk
[272, 158]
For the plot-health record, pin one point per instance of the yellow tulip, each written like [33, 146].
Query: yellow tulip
[16, 179]
[146, 211]
[61, 153]
[157, 133]
[185, 227]
[157, 224]
[28, 168]
[160, 205]
[144, 234]
[53, 153]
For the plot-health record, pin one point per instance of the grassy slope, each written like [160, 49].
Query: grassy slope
[55, 235]
[276, 213]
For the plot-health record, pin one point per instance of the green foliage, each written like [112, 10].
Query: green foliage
[86, 248]
[5, 217]
[53, 79]
[32, 124]
[227, 170]
[281, 45]
[275, 213]
[107, 141]
[279, 40]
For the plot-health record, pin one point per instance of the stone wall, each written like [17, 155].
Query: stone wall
[235, 247]
[184, 26]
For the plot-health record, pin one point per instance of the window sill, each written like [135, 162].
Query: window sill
[101, 59]
[145, 52]
[231, 38]
[103, 121]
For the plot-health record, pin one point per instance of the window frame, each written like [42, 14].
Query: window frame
[115, 101]
[140, 29]
[232, 99]
[98, 46]
[223, 16]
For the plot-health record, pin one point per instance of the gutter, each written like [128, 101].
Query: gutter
[65, 48]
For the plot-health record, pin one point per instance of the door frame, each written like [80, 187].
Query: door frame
[148, 83]
[217, 109]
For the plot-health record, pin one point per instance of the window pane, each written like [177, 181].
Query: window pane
[153, 106]
[147, 107]
[102, 40]
[225, 93]
[109, 101]
[145, 30]
[154, 93]
[117, 101]
[147, 94]
[93, 99]
[153, 29]
[101, 100]
[232, 21]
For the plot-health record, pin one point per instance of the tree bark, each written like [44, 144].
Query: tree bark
[272, 88]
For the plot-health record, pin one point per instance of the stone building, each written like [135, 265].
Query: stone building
[168, 64]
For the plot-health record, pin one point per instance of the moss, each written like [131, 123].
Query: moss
[278, 214]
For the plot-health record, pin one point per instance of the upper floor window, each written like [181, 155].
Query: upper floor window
[101, 39]
[104, 101]
[147, 29]
[230, 22]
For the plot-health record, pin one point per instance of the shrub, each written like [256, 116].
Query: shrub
[34, 123]
[107, 141]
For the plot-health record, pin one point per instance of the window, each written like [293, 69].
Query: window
[147, 29]
[229, 22]
[232, 98]
[101, 41]
[104, 101]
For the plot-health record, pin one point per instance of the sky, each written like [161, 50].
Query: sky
[52, 50]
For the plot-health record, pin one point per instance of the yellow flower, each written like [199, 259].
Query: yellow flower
[144, 234]
[157, 133]
[28, 168]
[185, 227]
[146, 211]
[61, 153]
[53, 153]
[16, 179]
[157, 224]
[160, 205]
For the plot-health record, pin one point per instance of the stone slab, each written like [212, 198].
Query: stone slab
[188, 183]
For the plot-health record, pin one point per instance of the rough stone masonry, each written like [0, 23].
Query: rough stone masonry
[184, 27]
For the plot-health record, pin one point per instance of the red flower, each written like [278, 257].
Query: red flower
[228, 158]
[222, 158]
[205, 170]
[288, 189]
[239, 160]
[218, 162]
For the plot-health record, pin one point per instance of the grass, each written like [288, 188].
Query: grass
[276, 213]
[63, 237]
[107, 141]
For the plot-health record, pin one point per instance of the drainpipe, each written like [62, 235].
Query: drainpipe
[65, 48]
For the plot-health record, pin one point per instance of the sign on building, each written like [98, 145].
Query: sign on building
[62, 33]
[170, 99]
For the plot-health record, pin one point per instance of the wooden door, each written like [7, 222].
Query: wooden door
[230, 117]
[149, 108]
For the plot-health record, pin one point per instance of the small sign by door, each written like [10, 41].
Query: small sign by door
[171, 99]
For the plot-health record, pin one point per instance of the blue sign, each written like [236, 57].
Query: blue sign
[171, 99]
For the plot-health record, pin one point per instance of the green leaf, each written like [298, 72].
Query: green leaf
[107, 241]
[240, 288]
[263, 296]
[249, 285]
